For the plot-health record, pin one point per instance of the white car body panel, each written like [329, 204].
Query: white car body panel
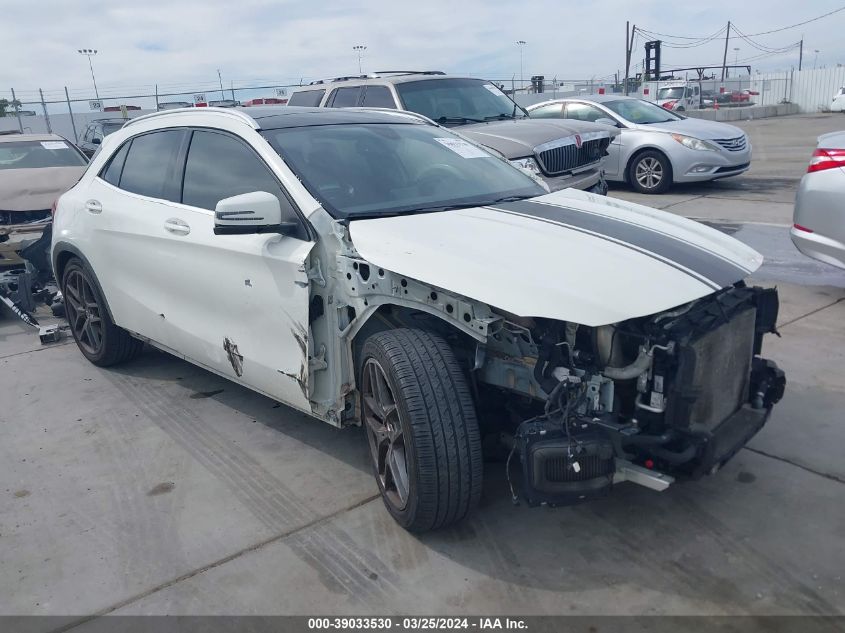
[166, 286]
[838, 103]
[536, 268]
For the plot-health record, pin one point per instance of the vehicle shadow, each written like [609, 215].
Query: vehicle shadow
[347, 445]
[699, 547]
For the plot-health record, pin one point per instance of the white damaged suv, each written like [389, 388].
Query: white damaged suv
[374, 269]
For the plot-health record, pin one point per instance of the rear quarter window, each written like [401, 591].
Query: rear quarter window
[150, 165]
[308, 98]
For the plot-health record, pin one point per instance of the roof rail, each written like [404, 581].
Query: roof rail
[344, 78]
[408, 72]
[228, 112]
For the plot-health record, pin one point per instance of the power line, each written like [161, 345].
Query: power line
[792, 26]
[705, 39]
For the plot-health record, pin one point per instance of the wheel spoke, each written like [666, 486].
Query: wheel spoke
[384, 432]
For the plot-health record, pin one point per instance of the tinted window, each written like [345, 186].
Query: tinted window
[362, 169]
[378, 97]
[458, 101]
[641, 112]
[583, 112]
[220, 166]
[35, 154]
[111, 174]
[551, 111]
[149, 164]
[309, 98]
[345, 97]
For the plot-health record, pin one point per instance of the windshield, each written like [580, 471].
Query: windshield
[458, 101]
[641, 112]
[671, 93]
[360, 170]
[36, 154]
[111, 128]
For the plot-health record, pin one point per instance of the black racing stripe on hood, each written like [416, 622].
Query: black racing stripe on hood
[691, 257]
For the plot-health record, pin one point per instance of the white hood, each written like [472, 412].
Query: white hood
[569, 255]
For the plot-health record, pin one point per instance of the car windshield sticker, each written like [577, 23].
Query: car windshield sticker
[462, 148]
[53, 144]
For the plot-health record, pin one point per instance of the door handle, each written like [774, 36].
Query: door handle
[94, 206]
[176, 226]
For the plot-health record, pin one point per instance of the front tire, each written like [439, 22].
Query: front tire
[98, 338]
[421, 428]
[650, 172]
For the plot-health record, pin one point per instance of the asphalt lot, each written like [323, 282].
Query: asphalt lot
[158, 488]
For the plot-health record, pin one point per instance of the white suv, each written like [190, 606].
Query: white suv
[375, 269]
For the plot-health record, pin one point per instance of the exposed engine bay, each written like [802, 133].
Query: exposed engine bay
[650, 399]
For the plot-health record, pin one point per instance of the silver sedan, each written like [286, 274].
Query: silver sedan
[819, 220]
[656, 147]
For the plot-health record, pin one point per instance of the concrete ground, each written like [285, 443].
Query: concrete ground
[158, 488]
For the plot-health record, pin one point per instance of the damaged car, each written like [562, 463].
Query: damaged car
[373, 269]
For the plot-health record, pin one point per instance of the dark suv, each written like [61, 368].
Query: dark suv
[562, 153]
[95, 133]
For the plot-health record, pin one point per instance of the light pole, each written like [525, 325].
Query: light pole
[89, 53]
[220, 79]
[816, 58]
[359, 48]
[521, 44]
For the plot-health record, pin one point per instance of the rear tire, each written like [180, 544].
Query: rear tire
[419, 415]
[650, 172]
[98, 338]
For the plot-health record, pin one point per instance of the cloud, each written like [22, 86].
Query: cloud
[182, 44]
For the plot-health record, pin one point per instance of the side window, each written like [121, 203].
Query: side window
[220, 166]
[112, 171]
[378, 97]
[149, 165]
[551, 111]
[86, 138]
[344, 97]
[583, 112]
[310, 98]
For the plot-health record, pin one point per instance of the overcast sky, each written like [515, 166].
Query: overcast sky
[183, 42]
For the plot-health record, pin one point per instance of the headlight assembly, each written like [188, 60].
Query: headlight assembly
[529, 164]
[695, 143]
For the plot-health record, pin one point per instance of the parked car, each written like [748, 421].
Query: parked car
[656, 147]
[838, 103]
[819, 219]
[174, 105]
[224, 103]
[34, 170]
[562, 154]
[391, 274]
[96, 131]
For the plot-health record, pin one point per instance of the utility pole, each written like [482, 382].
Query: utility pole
[521, 44]
[800, 53]
[359, 48]
[220, 79]
[725, 57]
[90, 52]
[627, 54]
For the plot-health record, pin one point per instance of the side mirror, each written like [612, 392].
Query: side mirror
[96, 141]
[607, 121]
[249, 213]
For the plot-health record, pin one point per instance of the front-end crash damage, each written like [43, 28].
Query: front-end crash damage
[674, 394]
[610, 348]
